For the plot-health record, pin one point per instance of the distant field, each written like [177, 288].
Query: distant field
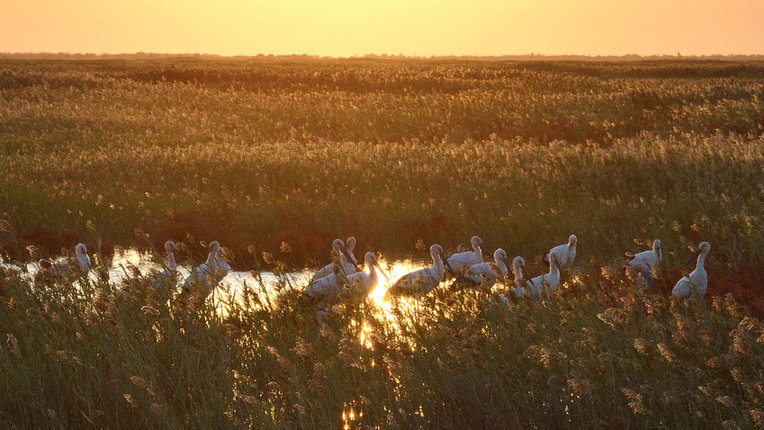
[264, 151]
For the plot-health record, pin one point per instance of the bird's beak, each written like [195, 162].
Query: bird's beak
[692, 258]
[376, 264]
[350, 256]
[525, 274]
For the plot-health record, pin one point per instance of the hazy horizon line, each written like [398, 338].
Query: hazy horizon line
[678, 55]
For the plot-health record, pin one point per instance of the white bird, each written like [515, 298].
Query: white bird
[566, 252]
[168, 276]
[66, 267]
[326, 289]
[329, 289]
[651, 257]
[421, 281]
[347, 259]
[484, 275]
[695, 284]
[646, 276]
[366, 281]
[541, 284]
[464, 260]
[518, 268]
[208, 274]
[350, 243]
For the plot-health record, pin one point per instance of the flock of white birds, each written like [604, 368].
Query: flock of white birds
[333, 282]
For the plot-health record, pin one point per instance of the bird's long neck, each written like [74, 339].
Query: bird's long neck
[701, 262]
[83, 259]
[501, 265]
[344, 259]
[171, 264]
[553, 269]
[438, 265]
[212, 260]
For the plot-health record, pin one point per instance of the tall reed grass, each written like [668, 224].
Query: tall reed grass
[78, 353]
[260, 152]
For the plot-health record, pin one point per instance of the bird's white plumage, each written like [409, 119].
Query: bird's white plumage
[485, 274]
[347, 260]
[464, 260]
[694, 285]
[325, 289]
[645, 278]
[365, 281]
[518, 268]
[565, 252]
[167, 277]
[421, 281]
[66, 267]
[651, 257]
[208, 274]
[329, 289]
[542, 284]
[172, 252]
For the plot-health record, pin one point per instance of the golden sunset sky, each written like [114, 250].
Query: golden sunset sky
[342, 28]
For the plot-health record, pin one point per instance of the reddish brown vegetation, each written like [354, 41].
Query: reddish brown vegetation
[300, 246]
[422, 227]
[51, 243]
[744, 282]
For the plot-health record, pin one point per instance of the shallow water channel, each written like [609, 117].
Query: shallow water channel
[127, 258]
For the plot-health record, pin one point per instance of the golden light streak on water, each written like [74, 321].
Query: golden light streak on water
[394, 271]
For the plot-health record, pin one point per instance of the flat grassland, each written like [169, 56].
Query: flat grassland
[401, 153]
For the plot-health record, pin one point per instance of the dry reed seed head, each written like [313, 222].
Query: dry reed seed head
[300, 409]
[581, 387]
[716, 363]
[139, 382]
[303, 348]
[666, 353]
[726, 401]
[130, 400]
[149, 310]
[642, 346]
[614, 317]
[267, 257]
[635, 401]
[730, 425]
[733, 308]
[738, 375]
[34, 252]
[757, 417]
[283, 363]
[711, 388]
[13, 343]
